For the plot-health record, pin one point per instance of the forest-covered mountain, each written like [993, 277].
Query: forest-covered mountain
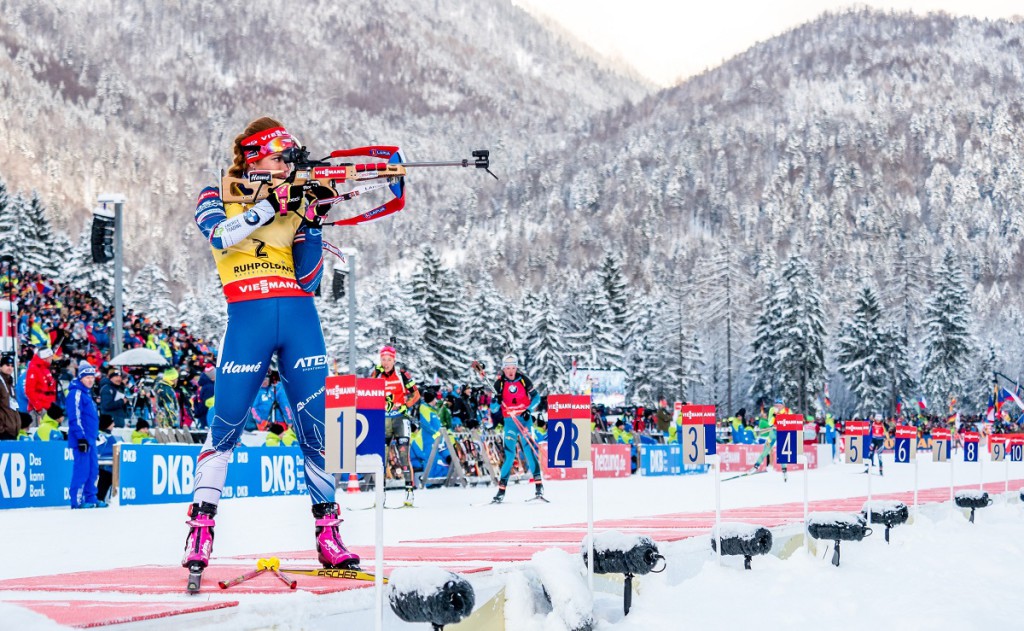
[145, 98]
[670, 233]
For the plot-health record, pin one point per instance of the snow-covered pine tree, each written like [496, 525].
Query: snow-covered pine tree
[81, 273]
[488, 325]
[682, 355]
[802, 337]
[606, 347]
[978, 386]
[581, 342]
[149, 293]
[896, 359]
[547, 347]
[37, 245]
[614, 287]
[334, 322]
[435, 297]
[205, 310]
[720, 282]
[8, 244]
[528, 311]
[391, 320]
[948, 344]
[764, 364]
[646, 374]
[860, 352]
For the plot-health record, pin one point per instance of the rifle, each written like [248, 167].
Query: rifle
[363, 177]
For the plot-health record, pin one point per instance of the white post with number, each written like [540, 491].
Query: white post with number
[952, 483]
[569, 447]
[716, 462]
[915, 487]
[802, 459]
[590, 527]
[378, 546]
[349, 450]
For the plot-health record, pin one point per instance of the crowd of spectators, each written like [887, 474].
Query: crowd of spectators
[59, 327]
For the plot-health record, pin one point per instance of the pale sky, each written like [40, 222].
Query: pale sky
[666, 40]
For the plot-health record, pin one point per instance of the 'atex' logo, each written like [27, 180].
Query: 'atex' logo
[311, 361]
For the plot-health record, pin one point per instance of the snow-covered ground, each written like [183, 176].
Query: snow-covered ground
[940, 572]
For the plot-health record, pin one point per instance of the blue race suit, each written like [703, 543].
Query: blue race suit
[269, 266]
[83, 423]
[515, 396]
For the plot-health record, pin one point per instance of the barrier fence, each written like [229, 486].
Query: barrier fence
[36, 474]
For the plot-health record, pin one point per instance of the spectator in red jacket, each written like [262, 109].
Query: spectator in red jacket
[40, 386]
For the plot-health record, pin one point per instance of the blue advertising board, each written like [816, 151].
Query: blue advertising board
[658, 460]
[35, 473]
[160, 474]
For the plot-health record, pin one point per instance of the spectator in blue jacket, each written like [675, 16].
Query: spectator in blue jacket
[112, 398]
[83, 429]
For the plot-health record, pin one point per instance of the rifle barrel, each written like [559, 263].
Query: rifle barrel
[452, 163]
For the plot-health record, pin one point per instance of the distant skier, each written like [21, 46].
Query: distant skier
[402, 395]
[514, 395]
[877, 444]
[779, 407]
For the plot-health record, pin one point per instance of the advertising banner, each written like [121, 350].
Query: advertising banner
[161, 474]
[35, 473]
[658, 460]
[610, 461]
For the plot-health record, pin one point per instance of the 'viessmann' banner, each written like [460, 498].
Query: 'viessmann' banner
[35, 473]
[610, 461]
[161, 474]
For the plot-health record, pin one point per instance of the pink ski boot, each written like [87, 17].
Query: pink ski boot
[329, 547]
[198, 543]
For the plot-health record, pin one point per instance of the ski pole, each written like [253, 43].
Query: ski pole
[241, 578]
[261, 566]
[291, 584]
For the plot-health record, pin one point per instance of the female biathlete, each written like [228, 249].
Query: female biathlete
[270, 261]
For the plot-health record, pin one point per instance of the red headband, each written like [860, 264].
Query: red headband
[387, 350]
[266, 142]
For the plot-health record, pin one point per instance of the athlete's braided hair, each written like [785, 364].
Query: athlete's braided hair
[260, 124]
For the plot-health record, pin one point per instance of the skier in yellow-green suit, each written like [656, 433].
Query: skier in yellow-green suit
[779, 407]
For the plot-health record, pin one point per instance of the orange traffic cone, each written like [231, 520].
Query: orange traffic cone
[353, 484]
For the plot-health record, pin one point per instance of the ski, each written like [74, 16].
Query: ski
[195, 578]
[539, 498]
[743, 475]
[327, 572]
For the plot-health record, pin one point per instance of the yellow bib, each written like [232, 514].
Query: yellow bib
[261, 265]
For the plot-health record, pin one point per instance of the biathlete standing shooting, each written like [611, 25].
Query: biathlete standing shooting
[270, 260]
[402, 395]
[514, 396]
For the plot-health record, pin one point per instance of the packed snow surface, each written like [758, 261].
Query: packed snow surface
[798, 589]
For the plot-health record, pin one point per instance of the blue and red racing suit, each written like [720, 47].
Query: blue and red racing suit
[513, 398]
[269, 266]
